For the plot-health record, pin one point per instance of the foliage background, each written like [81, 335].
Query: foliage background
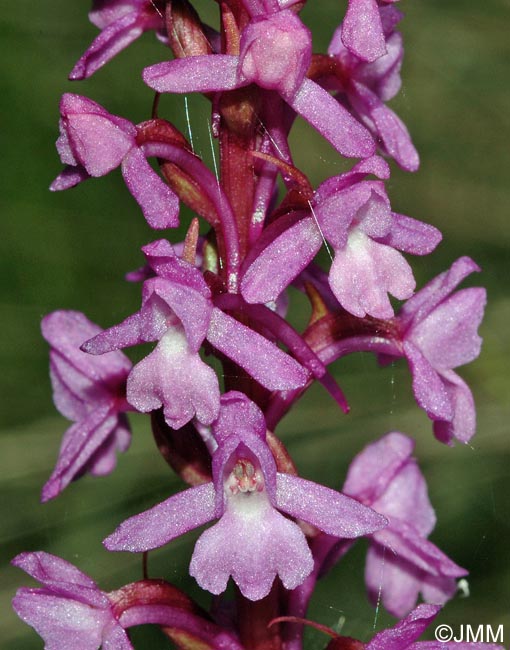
[70, 250]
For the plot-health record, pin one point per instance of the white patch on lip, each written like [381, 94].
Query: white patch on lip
[173, 342]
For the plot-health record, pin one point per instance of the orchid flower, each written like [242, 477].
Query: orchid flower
[70, 611]
[252, 541]
[354, 215]
[401, 562]
[91, 392]
[438, 330]
[93, 142]
[364, 87]
[178, 311]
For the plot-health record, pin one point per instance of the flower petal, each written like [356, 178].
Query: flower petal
[74, 394]
[398, 583]
[406, 631]
[70, 177]
[331, 120]
[104, 459]
[412, 236]
[274, 268]
[364, 272]
[336, 212]
[207, 73]
[406, 499]
[116, 638]
[165, 521]
[383, 75]
[159, 203]
[332, 512]
[405, 544]
[375, 467]
[99, 144]
[463, 424]
[432, 294]
[66, 331]
[80, 444]
[252, 544]
[428, 388]
[146, 325]
[448, 336]
[112, 40]
[387, 125]
[265, 362]
[176, 378]
[61, 577]
[374, 165]
[239, 415]
[391, 583]
[362, 31]
[63, 623]
[188, 297]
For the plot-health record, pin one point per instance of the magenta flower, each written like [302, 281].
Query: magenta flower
[69, 611]
[401, 562]
[252, 541]
[275, 53]
[89, 391]
[438, 330]
[121, 22]
[364, 87]
[92, 142]
[178, 311]
[355, 217]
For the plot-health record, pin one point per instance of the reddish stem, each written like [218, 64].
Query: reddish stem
[237, 135]
[254, 618]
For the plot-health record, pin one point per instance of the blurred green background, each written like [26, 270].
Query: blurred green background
[71, 250]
